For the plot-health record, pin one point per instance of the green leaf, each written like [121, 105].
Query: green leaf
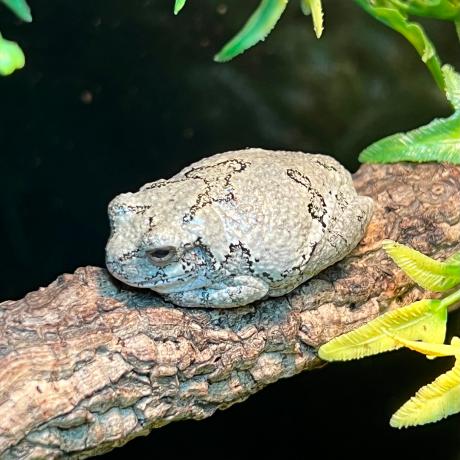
[11, 57]
[422, 320]
[438, 141]
[392, 17]
[256, 29]
[314, 8]
[426, 272]
[434, 401]
[452, 82]
[454, 259]
[436, 9]
[20, 8]
[178, 5]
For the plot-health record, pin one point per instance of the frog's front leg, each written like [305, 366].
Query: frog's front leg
[234, 292]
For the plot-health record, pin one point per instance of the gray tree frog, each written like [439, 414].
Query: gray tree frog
[236, 227]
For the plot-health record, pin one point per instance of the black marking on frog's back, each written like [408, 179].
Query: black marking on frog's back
[217, 180]
[300, 268]
[316, 203]
[138, 209]
[239, 252]
[342, 202]
[323, 164]
[162, 183]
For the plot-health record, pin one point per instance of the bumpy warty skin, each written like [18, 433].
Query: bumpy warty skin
[236, 227]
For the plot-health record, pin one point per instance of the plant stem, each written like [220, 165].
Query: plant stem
[451, 299]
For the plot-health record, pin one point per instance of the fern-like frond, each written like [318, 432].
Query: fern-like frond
[258, 26]
[428, 273]
[423, 320]
[432, 402]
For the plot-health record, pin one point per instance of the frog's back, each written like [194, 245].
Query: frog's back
[275, 180]
[281, 209]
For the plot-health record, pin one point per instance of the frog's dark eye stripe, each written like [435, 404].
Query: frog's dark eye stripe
[162, 255]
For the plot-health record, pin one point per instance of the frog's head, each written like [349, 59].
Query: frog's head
[156, 240]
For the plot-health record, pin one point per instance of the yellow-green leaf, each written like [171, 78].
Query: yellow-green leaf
[454, 259]
[11, 57]
[434, 401]
[423, 320]
[430, 350]
[314, 8]
[428, 273]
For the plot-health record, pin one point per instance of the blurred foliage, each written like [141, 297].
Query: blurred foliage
[11, 57]
[11, 54]
[438, 141]
[315, 8]
[393, 13]
[259, 25]
[20, 8]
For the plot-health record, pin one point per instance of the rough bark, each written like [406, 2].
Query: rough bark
[86, 364]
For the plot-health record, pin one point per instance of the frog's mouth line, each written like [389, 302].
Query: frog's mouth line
[148, 284]
[168, 286]
[161, 285]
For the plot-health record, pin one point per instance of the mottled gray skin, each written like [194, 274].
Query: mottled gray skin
[236, 227]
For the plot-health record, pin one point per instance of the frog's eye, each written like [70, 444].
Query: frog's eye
[162, 255]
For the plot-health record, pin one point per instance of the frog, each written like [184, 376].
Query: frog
[236, 227]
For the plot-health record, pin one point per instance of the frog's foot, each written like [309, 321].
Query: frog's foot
[235, 292]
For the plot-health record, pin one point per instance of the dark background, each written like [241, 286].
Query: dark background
[119, 93]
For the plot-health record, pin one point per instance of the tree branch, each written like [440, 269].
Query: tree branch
[87, 364]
